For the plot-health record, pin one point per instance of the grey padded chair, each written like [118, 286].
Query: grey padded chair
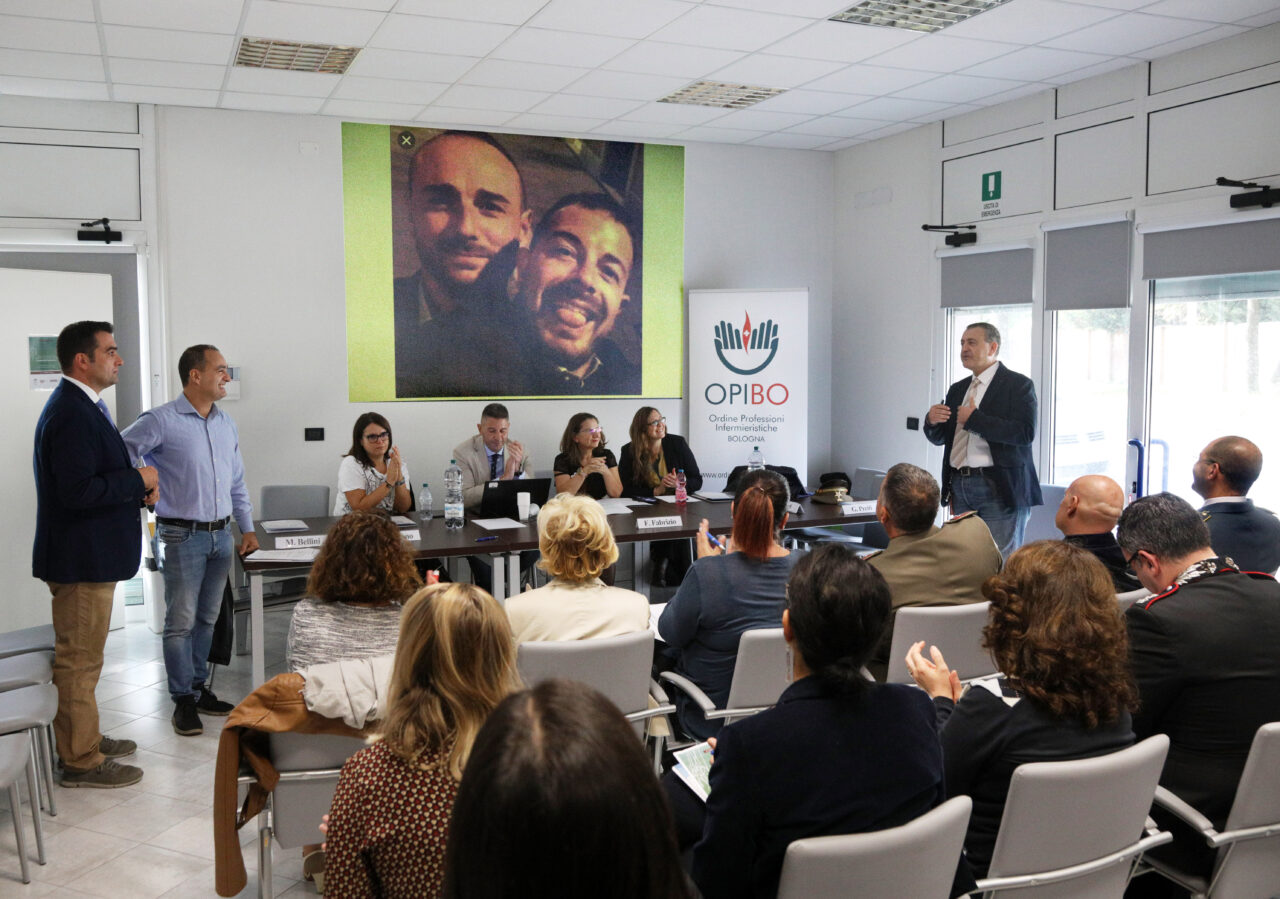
[1090, 844]
[956, 630]
[15, 758]
[1129, 598]
[1040, 525]
[27, 670]
[1248, 862]
[31, 709]
[28, 639]
[760, 674]
[917, 859]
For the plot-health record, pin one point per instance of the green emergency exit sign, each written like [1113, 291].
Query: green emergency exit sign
[990, 186]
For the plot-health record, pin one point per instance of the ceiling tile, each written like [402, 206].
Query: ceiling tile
[954, 109]
[81, 10]
[837, 126]
[377, 5]
[592, 107]
[502, 99]
[56, 35]
[376, 63]
[1127, 34]
[1109, 65]
[449, 36]
[163, 96]
[272, 103]
[556, 124]
[842, 42]
[179, 46]
[618, 18]
[958, 88]
[889, 129]
[317, 24]
[807, 101]
[529, 75]
[64, 66]
[1216, 33]
[1218, 11]
[448, 117]
[939, 53]
[388, 90]
[790, 141]
[775, 71]
[870, 80]
[814, 9]
[895, 109]
[272, 81]
[544, 45]
[217, 16]
[1029, 21]
[365, 110]
[842, 144]
[167, 74]
[657, 58]
[719, 135]
[48, 87]
[756, 119]
[1017, 92]
[1114, 4]
[626, 85]
[640, 131]
[675, 113]
[503, 12]
[729, 29]
[1035, 64]
[1261, 19]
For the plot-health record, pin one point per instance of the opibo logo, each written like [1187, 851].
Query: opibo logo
[746, 345]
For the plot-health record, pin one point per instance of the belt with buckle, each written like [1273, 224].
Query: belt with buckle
[195, 525]
[965, 471]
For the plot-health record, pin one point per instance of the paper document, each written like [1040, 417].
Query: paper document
[306, 554]
[497, 524]
[402, 521]
[713, 496]
[693, 766]
[668, 498]
[282, 525]
[618, 505]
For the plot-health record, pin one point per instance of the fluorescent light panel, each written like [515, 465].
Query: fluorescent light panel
[914, 15]
[265, 53]
[721, 95]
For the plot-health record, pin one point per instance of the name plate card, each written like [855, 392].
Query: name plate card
[412, 536]
[659, 521]
[859, 507]
[299, 542]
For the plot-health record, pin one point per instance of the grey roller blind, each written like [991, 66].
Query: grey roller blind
[1088, 267]
[1220, 250]
[1000, 278]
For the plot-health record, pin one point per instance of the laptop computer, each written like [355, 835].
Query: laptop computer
[499, 500]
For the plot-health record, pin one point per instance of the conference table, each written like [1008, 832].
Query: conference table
[642, 524]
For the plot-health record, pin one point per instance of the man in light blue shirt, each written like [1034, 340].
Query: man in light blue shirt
[196, 448]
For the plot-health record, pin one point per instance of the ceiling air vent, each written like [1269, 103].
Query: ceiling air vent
[915, 15]
[263, 53]
[721, 95]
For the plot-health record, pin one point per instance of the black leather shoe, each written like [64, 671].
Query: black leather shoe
[186, 720]
[208, 704]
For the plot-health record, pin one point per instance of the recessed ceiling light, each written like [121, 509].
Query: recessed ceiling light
[264, 53]
[721, 95]
[915, 15]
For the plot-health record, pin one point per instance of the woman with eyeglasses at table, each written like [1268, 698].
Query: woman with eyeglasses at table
[648, 468]
[372, 476]
[584, 466]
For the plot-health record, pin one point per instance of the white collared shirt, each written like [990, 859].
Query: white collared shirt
[93, 395]
[979, 451]
[1225, 499]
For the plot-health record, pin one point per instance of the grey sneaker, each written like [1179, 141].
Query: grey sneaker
[107, 776]
[186, 720]
[114, 749]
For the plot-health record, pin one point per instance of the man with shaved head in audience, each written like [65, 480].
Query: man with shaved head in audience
[1087, 516]
[1241, 531]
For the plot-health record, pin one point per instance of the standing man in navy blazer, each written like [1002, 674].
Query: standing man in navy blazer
[87, 538]
[987, 424]
[1247, 534]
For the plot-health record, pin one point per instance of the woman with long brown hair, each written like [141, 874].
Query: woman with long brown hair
[1057, 636]
[729, 590]
[389, 822]
[650, 466]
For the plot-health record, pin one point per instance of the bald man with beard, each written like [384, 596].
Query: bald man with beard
[1087, 517]
[1247, 534]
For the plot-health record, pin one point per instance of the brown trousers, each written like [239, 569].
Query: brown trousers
[81, 615]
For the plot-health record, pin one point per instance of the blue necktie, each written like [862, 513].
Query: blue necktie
[493, 466]
[102, 404]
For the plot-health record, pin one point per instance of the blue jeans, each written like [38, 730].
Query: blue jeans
[1008, 524]
[195, 565]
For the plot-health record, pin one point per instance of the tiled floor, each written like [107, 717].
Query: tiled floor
[156, 837]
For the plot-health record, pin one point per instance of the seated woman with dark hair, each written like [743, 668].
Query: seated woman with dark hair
[584, 466]
[559, 801]
[361, 575]
[1057, 635]
[372, 475]
[728, 592]
[838, 754]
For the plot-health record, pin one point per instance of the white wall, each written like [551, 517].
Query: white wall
[250, 237]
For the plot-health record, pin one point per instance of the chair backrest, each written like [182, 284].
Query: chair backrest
[1252, 867]
[1040, 525]
[762, 670]
[298, 802]
[917, 859]
[1098, 806]
[956, 630]
[616, 666]
[865, 483]
[294, 501]
[1130, 597]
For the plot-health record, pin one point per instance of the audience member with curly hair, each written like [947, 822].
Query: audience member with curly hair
[361, 575]
[1056, 633]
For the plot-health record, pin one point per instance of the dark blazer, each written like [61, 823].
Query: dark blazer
[1006, 419]
[1248, 535]
[675, 449]
[816, 764]
[1108, 552]
[87, 494]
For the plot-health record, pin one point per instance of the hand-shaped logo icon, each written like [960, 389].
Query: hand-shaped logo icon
[740, 342]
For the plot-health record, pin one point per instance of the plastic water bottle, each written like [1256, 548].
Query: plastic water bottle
[755, 461]
[682, 490]
[453, 517]
[424, 503]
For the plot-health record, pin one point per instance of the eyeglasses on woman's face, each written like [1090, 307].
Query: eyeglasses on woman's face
[378, 437]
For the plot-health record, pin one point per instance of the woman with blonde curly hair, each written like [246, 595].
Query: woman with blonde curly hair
[389, 823]
[362, 574]
[1057, 636]
[577, 546]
